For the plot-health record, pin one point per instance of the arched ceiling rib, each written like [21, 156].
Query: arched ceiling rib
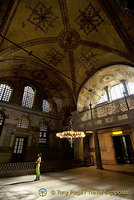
[75, 37]
[28, 69]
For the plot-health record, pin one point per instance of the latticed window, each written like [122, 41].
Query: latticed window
[117, 91]
[5, 92]
[18, 145]
[130, 86]
[103, 98]
[45, 106]
[43, 133]
[23, 122]
[28, 97]
[2, 119]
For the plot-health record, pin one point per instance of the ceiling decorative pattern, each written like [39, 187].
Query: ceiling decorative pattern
[78, 38]
[68, 39]
[42, 17]
[19, 69]
[107, 76]
[53, 56]
[38, 74]
[89, 19]
[87, 59]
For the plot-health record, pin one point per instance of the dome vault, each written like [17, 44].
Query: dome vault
[75, 37]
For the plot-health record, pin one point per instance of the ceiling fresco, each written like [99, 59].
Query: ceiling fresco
[78, 38]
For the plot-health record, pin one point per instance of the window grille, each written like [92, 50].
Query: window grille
[45, 106]
[2, 119]
[130, 87]
[28, 97]
[18, 149]
[117, 91]
[23, 122]
[5, 92]
[43, 133]
[103, 98]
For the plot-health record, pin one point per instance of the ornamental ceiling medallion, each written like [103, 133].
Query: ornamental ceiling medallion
[39, 74]
[68, 39]
[89, 19]
[42, 17]
[107, 78]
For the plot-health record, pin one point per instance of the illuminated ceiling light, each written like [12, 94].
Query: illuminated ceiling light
[117, 132]
[70, 134]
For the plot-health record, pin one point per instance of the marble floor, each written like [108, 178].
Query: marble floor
[86, 183]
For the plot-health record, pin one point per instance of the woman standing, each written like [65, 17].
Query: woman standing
[38, 161]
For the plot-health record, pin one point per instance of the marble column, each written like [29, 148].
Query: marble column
[107, 92]
[96, 143]
[125, 87]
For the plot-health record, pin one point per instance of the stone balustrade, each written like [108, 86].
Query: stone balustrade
[106, 115]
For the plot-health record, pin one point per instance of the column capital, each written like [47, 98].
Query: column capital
[106, 88]
[107, 92]
[125, 87]
[123, 81]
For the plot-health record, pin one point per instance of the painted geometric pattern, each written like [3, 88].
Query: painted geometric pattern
[19, 69]
[88, 59]
[42, 17]
[89, 19]
[131, 103]
[53, 56]
[111, 109]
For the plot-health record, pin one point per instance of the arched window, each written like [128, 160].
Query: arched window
[103, 98]
[43, 133]
[28, 97]
[130, 86]
[2, 119]
[45, 106]
[5, 92]
[117, 91]
[23, 122]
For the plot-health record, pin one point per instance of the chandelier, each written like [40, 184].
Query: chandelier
[71, 135]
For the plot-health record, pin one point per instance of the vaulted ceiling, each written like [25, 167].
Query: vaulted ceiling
[106, 77]
[75, 37]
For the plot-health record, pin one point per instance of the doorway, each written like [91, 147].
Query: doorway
[19, 149]
[88, 158]
[123, 149]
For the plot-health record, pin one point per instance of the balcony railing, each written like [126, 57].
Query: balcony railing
[106, 114]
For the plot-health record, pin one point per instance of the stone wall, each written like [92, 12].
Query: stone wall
[106, 119]
[10, 131]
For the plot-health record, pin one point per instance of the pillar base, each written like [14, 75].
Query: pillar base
[100, 168]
